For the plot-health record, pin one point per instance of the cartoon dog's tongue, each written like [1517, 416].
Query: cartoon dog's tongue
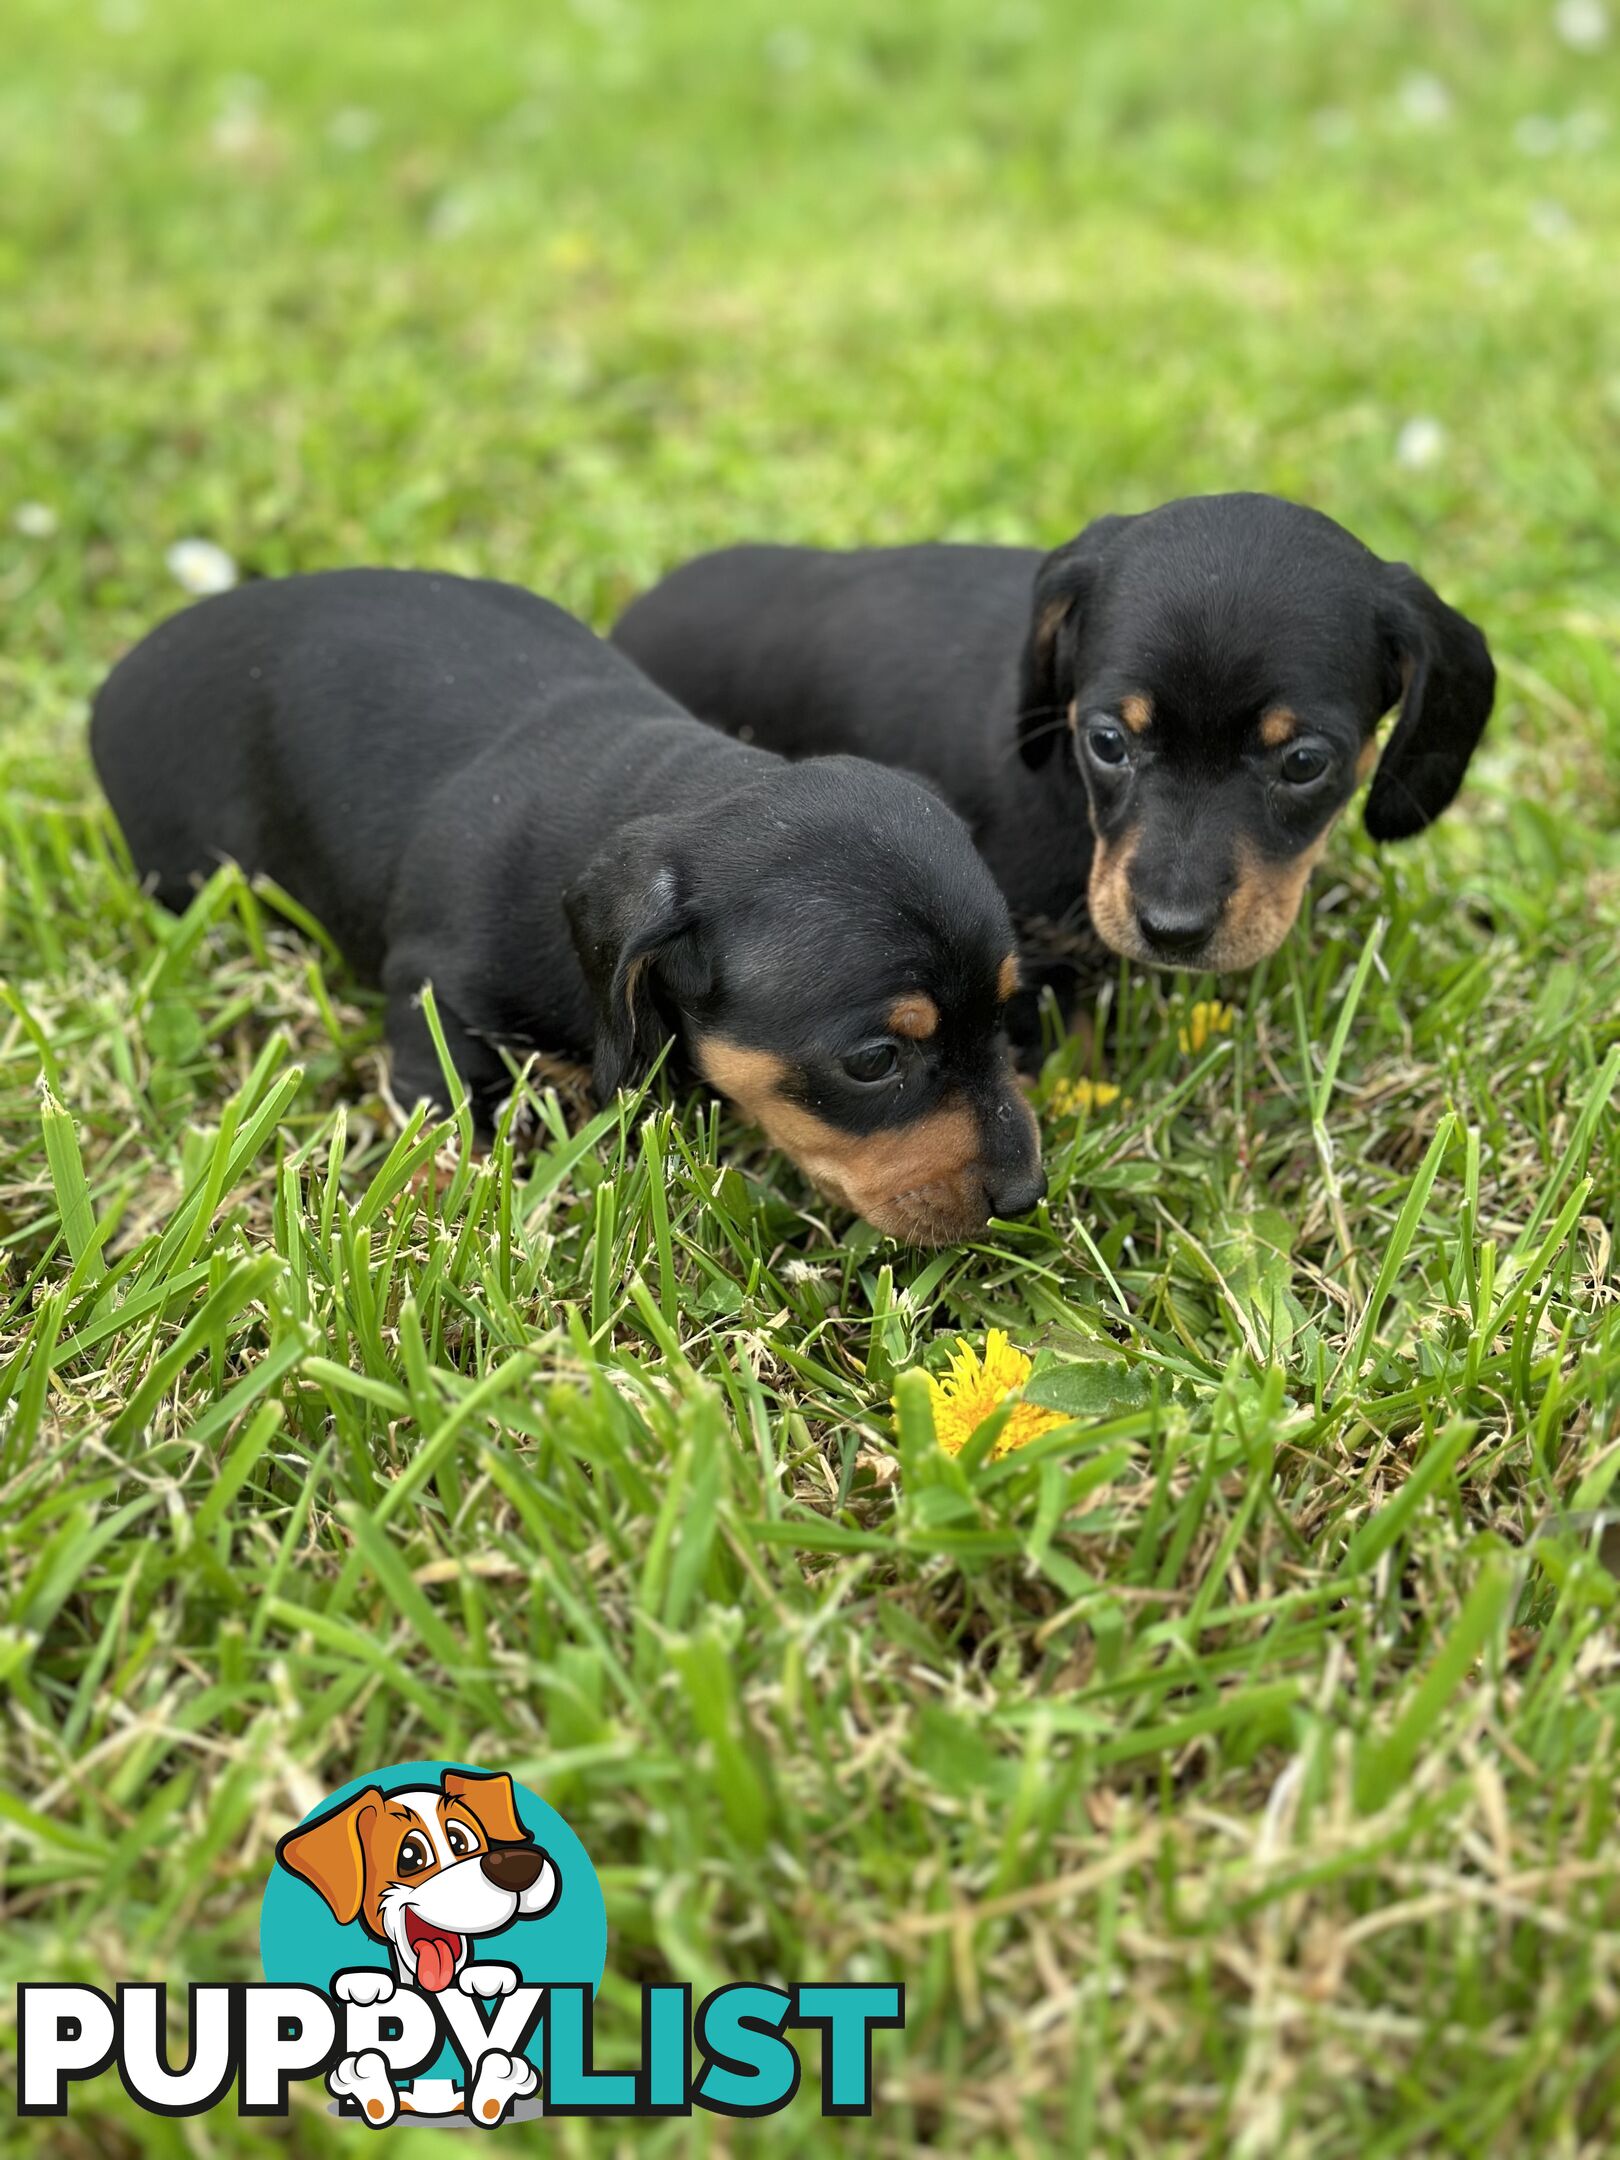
[435, 1953]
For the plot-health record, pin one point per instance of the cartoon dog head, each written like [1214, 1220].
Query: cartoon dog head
[426, 1869]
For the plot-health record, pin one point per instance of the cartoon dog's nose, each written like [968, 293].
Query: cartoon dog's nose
[512, 1867]
[1175, 930]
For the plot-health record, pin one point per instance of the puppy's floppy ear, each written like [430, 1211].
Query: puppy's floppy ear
[635, 930]
[1057, 607]
[493, 1800]
[329, 1856]
[1450, 683]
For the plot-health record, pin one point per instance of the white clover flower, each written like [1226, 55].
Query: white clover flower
[1420, 444]
[237, 132]
[1537, 135]
[1585, 129]
[201, 567]
[789, 50]
[353, 127]
[1424, 100]
[121, 112]
[1582, 24]
[453, 215]
[35, 521]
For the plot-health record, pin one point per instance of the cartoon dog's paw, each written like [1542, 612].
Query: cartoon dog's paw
[487, 1980]
[365, 1985]
[501, 2080]
[364, 2079]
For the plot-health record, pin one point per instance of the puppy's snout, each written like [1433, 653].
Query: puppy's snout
[1014, 1192]
[513, 1867]
[1177, 929]
[1010, 1168]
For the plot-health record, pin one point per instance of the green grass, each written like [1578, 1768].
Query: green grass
[1235, 1770]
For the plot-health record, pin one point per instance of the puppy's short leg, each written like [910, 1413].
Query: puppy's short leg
[415, 1074]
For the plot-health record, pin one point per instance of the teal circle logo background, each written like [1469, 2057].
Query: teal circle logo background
[301, 1942]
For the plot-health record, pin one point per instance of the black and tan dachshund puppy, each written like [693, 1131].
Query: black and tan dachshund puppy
[1216, 669]
[466, 787]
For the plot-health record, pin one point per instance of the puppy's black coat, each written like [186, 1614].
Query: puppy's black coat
[1215, 670]
[465, 786]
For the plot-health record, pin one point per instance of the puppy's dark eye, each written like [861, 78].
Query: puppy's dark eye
[414, 1855]
[459, 1838]
[876, 1061]
[1106, 742]
[1304, 762]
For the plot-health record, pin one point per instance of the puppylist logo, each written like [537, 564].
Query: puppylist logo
[433, 1937]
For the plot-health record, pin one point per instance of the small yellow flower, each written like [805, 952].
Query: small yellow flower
[1207, 1018]
[974, 1386]
[572, 251]
[1078, 1098]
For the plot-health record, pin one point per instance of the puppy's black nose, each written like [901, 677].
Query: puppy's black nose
[512, 1867]
[1014, 1192]
[1174, 930]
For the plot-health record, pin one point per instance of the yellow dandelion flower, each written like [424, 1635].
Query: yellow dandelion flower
[973, 1386]
[572, 251]
[1078, 1098]
[1208, 1017]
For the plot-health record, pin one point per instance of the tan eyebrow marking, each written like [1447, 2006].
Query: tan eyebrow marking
[1008, 976]
[915, 1016]
[1367, 760]
[1277, 727]
[1136, 711]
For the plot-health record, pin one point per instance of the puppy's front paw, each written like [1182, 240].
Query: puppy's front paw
[487, 1980]
[364, 2079]
[365, 1985]
[501, 2080]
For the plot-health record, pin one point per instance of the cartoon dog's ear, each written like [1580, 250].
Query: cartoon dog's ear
[328, 1854]
[493, 1800]
[1057, 608]
[1445, 665]
[636, 932]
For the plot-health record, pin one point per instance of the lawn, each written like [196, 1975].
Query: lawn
[1233, 1770]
